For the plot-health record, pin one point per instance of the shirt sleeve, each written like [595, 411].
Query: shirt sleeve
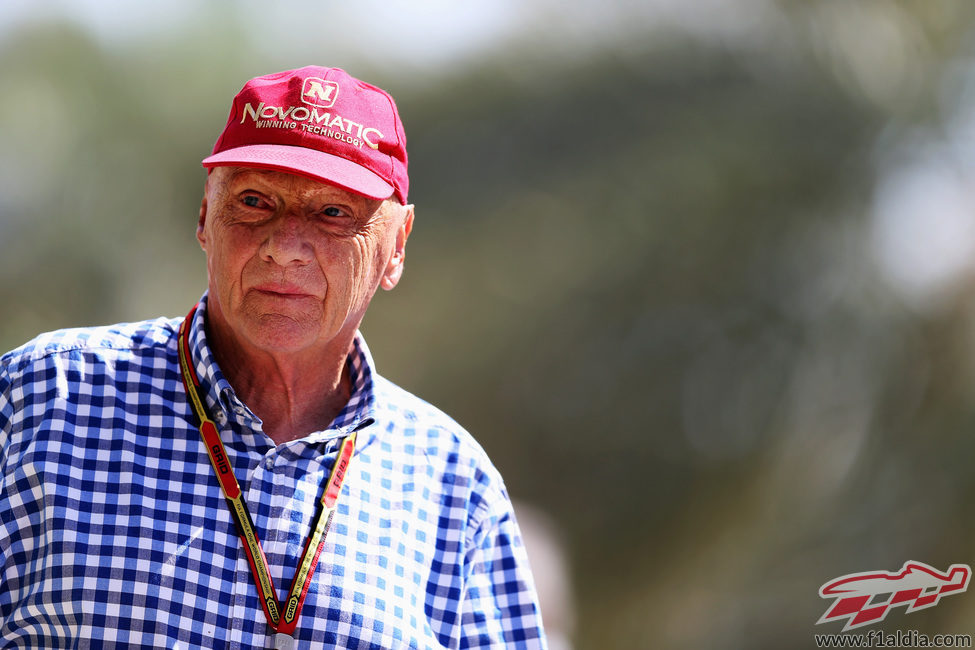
[501, 607]
[6, 413]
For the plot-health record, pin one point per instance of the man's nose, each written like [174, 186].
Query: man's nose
[287, 241]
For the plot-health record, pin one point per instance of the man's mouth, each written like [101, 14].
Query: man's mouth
[282, 290]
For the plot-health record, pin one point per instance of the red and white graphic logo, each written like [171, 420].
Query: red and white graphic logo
[865, 598]
[319, 92]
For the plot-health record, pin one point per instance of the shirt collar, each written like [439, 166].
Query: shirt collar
[223, 403]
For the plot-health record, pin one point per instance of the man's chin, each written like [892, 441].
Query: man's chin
[283, 334]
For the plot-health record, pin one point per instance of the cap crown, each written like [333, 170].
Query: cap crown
[319, 122]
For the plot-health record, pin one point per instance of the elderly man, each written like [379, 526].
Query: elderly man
[243, 478]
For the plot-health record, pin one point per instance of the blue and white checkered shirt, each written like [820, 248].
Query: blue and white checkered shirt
[114, 531]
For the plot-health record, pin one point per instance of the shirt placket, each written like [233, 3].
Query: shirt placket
[259, 485]
[264, 486]
[283, 511]
[299, 479]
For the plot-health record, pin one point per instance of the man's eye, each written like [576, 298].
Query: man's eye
[332, 211]
[252, 201]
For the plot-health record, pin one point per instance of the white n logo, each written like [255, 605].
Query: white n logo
[319, 92]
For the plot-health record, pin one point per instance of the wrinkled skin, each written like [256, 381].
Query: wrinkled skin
[293, 262]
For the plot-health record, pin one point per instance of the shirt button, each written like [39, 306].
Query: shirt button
[220, 416]
[269, 463]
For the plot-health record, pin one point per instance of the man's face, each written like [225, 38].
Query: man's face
[293, 262]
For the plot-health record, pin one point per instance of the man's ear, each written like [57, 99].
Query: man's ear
[200, 234]
[394, 268]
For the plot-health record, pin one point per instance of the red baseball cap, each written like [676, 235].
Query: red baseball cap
[318, 122]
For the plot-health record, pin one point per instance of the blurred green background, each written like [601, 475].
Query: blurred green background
[699, 276]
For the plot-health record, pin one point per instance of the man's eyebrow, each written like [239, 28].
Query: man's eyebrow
[246, 173]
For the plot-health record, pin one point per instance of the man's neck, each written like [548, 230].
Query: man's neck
[293, 394]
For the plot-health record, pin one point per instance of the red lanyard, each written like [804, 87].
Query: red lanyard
[241, 515]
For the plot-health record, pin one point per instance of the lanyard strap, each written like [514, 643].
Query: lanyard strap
[241, 515]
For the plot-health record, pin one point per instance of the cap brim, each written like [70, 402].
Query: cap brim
[307, 162]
